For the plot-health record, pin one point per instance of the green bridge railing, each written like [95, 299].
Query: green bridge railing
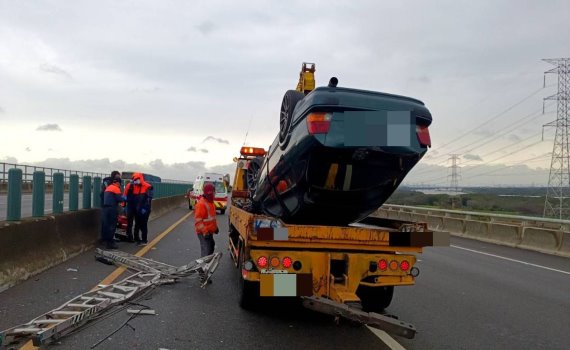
[16, 179]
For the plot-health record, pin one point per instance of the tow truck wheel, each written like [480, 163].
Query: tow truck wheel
[248, 292]
[375, 299]
[222, 211]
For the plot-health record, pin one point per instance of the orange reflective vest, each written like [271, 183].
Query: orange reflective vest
[205, 217]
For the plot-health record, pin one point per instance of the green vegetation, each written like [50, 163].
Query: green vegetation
[486, 201]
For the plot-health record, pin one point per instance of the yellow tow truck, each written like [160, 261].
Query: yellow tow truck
[347, 271]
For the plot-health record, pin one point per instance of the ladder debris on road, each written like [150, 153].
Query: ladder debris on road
[79, 310]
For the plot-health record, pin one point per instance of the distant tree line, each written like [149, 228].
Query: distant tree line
[487, 201]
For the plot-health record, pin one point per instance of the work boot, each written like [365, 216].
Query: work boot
[112, 246]
[130, 239]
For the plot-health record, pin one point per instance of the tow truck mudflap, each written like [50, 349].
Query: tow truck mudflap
[382, 322]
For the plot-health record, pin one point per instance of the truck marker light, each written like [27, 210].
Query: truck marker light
[262, 261]
[373, 266]
[415, 272]
[274, 261]
[287, 262]
[383, 264]
[393, 265]
[319, 123]
[252, 151]
[404, 265]
[297, 265]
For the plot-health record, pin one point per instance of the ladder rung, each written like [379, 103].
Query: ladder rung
[27, 330]
[93, 298]
[47, 321]
[112, 295]
[136, 282]
[66, 313]
[87, 306]
[125, 288]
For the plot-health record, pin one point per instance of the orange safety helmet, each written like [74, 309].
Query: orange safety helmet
[209, 191]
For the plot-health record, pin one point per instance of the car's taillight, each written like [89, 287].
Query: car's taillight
[319, 123]
[382, 264]
[393, 265]
[404, 265]
[287, 262]
[262, 261]
[423, 135]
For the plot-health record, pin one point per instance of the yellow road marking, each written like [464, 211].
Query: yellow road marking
[118, 271]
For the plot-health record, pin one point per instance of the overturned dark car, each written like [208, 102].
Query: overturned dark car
[339, 155]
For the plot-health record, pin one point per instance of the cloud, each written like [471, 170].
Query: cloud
[472, 157]
[194, 149]
[187, 171]
[2, 110]
[52, 69]
[216, 139]
[10, 160]
[206, 27]
[49, 127]
[28, 149]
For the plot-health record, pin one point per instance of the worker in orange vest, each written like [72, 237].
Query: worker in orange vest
[111, 199]
[205, 221]
[143, 193]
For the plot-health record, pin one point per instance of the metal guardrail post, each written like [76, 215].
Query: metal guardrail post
[57, 193]
[73, 192]
[96, 192]
[38, 193]
[86, 192]
[14, 210]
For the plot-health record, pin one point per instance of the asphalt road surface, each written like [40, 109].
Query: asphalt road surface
[27, 204]
[472, 295]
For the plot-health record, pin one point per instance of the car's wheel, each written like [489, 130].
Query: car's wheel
[290, 100]
[252, 173]
[375, 299]
[248, 292]
[189, 205]
[222, 211]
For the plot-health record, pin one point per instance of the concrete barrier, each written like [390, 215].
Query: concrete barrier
[565, 244]
[453, 225]
[541, 239]
[476, 229]
[33, 245]
[543, 235]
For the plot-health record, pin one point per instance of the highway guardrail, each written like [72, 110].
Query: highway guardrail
[545, 235]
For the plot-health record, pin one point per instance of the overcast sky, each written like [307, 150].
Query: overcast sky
[175, 86]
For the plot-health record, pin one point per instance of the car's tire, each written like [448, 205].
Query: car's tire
[248, 292]
[252, 173]
[375, 299]
[189, 205]
[290, 100]
[222, 211]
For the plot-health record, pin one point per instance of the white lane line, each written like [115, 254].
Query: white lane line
[513, 260]
[386, 339]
